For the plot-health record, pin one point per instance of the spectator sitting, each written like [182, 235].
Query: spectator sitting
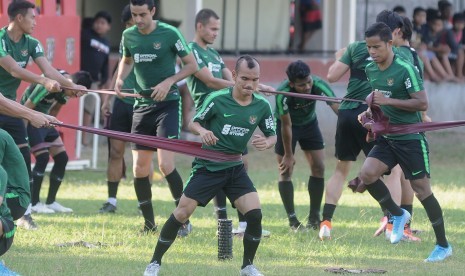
[445, 10]
[419, 23]
[458, 28]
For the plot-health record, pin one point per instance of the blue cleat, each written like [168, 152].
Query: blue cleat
[5, 271]
[398, 223]
[439, 254]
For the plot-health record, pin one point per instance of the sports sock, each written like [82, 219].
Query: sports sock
[38, 176]
[328, 211]
[56, 175]
[380, 192]
[26, 153]
[286, 190]
[167, 236]
[316, 186]
[434, 212]
[112, 201]
[175, 184]
[409, 208]
[112, 188]
[252, 236]
[220, 205]
[144, 196]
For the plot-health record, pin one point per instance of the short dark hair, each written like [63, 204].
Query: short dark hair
[150, 3]
[103, 14]
[407, 29]
[392, 19]
[399, 9]
[19, 7]
[126, 14]
[379, 29]
[432, 15]
[442, 4]
[204, 15]
[297, 70]
[458, 17]
[82, 78]
[418, 9]
[251, 62]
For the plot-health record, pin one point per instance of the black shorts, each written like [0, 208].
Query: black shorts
[203, 184]
[411, 155]
[309, 137]
[351, 135]
[121, 116]
[16, 210]
[6, 240]
[161, 119]
[38, 136]
[15, 127]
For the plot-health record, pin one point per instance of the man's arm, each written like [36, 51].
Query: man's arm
[338, 68]
[189, 67]
[287, 164]
[56, 107]
[14, 109]
[50, 72]
[227, 74]
[205, 76]
[124, 68]
[16, 71]
[263, 143]
[417, 102]
[206, 135]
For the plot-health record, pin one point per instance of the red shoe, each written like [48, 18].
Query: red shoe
[325, 230]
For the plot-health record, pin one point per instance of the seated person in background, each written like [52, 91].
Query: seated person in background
[458, 22]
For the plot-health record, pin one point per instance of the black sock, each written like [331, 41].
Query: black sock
[220, 205]
[434, 212]
[167, 236]
[328, 211]
[112, 188]
[240, 216]
[316, 187]
[26, 153]
[286, 190]
[409, 208]
[380, 192]
[55, 183]
[175, 184]
[37, 179]
[252, 236]
[144, 196]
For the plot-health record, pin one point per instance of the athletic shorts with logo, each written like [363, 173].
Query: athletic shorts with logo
[6, 240]
[308, 136]
[38, 136]
[203, 184]
[351, 135]
[411, 155]
[160, 119]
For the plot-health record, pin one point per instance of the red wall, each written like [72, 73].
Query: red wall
[60, 37]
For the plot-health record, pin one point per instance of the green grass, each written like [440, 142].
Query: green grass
[124, 252]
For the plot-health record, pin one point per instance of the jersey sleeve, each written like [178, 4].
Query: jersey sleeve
[38, 93]
[412, 81]
[61, 98]
[206, 112]
[36, 48]
[124, 46]
[180, 46]
[281, 105]
[267, 125]
[200, 62]
[347, 56]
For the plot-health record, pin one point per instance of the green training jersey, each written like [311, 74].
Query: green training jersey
[154, 56]
[356, 57]
[4, 210]
[205, 58]
[409, 54]
[26, 48]
[41, 98]
[233, 124]
[397, 81]
[302, 111]
[12, 161]
[129, 81]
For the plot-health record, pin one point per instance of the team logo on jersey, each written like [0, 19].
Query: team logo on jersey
[252, 119]
[157, 45]
[390, 81]
[24, 53]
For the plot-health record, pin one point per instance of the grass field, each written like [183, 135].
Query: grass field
[124, 252]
